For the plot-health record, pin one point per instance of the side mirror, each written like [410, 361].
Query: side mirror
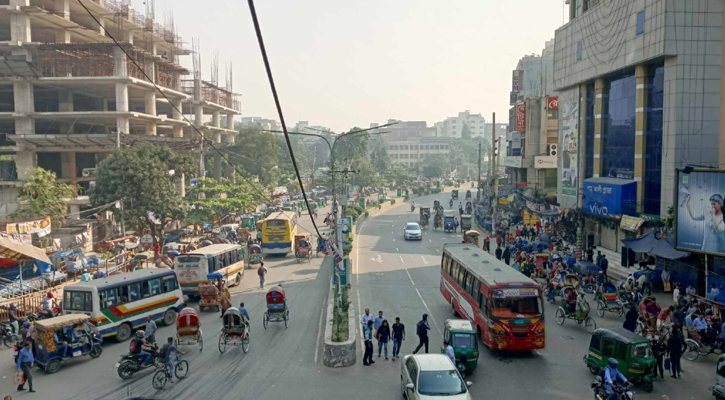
[469, 383]
[410, 386]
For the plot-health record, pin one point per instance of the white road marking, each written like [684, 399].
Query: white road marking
[393, 240]
[410, 277]
[424, 260]
[319, 331]
[429, 313]
[438, 250]
[430, 240]
[397, 249]
[401, 259]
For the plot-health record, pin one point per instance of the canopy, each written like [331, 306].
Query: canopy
[21, 252]
[649, 243]
[66, 254]
[59, 322]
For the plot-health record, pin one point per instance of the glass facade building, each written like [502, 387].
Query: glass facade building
[653, 140]
[619, 128]
[589, 131]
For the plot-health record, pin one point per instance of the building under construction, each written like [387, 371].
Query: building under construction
[69, 94]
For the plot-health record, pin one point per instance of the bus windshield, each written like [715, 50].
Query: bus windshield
[276, 223]
[512, 307]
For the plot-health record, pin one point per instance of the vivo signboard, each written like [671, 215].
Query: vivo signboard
[610, 197]
[545, 161]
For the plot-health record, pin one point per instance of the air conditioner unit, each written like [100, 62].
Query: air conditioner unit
[553, 149]
[88, 172]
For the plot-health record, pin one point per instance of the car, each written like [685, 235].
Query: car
[412, 231]
[430, 376]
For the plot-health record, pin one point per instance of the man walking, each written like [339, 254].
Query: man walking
[506, 255]
[150, 330]
[675, 345]
[366, 318]
[368, 336]
[378, 321]
[604, 265]
[398, 337]
[262, 272]
[659, 348]
[422, 331]
[25, 362]
[499, 253]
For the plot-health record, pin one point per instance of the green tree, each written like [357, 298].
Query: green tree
[366, 176]
[379, 156]
[43, 196]
[399, 175]
[256, 152]
[434, 166]
[465, 132]
[140, 177]
[210, 200]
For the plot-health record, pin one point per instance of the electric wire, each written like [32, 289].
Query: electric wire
[261, 194]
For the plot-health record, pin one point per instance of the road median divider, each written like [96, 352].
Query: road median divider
[340, 344]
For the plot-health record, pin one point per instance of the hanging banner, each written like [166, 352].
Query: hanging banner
[630, 223]
[569, 132]
[521, 117]
[23, 228]
[553, 103]
[12, 228]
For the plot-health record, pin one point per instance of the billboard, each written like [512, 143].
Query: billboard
[568, 104]
[699, 224]
[521, 117]
[609, 197]
[517, 81]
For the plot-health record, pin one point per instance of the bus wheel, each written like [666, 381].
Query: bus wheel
[123, 333]
[169, 317]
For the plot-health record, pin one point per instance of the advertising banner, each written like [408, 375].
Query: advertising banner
[630, 223]
[609, 197]
[12, 228]
[553, 103]
[569, 132]
[517, 81]
[700, 226]
[521, 117]
[345, 225]
[545, 161]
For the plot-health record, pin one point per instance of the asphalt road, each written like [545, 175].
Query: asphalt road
[390, 274]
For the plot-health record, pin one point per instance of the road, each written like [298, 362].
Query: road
[390, 274]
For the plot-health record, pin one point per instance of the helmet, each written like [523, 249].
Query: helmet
[613, 362]
[26, 324]
[140, 334]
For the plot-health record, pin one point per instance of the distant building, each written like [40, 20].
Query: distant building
[410, 150]
[262, 123]
[536, 74]
[453, 127]
[406, 129]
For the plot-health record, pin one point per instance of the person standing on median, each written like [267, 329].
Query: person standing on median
[398, 337]
[422, 331]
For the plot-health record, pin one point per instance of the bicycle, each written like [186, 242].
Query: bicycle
[161, 376]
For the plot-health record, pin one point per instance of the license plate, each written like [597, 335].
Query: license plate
[118, 365]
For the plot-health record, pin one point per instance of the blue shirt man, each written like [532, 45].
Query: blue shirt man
[378, 320]
[700, 324]
[60, 347]
[25, 356]
[611, 376]
[243, 311]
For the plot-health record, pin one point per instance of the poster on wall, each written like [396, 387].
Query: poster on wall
[521, 117]
[700, 226]
[569, 132]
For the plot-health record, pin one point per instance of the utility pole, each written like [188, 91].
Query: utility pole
[493, 173]
[478, 181]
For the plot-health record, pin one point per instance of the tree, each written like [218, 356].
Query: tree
[399, 175]
[379, 156]
[465, 132]
[258, 153]
[351, 148]
[435, 166]
[210, 200]
[43, 196]
[366, 176]
[140, 178]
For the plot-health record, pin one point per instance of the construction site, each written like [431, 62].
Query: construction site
[69, 94]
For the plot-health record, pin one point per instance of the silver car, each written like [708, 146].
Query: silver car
[431, 376]
[412, 231]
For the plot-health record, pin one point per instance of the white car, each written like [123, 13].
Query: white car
[431, 376]
[412, 231]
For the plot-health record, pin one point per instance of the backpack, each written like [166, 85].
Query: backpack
[132, 346]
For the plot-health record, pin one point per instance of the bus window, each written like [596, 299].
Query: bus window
[475, 286]
[134, 292]
[155, 286]
[109, 298]
[168, 284]
[123, 295]
[77, 301]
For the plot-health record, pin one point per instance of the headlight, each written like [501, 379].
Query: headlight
[630, 394]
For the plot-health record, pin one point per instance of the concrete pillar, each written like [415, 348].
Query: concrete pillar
[640, 127]
[152, 47]
[128, 36]
[105, 104]
[25, 161]
[62, 8]
[598, 125]
[216, 119]
[20, 31]
[68, 166]
[198, 116]
[230, 125]
[181, 186]
[149, 67]
[150, 106]
[217, 137]
[75, 211]
[178, 130]
[65, 104]
[120, 67]
[122, 123]
[24, 103]
[217, 167]
[582, 142]
[62, 36]
[102, 26]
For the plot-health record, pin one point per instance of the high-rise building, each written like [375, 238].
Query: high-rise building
[262, 123]
[465, 124]
[406, 129]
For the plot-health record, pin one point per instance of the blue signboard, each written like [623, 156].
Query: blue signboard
[609, 197]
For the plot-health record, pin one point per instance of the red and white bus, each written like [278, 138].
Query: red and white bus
[506, 307]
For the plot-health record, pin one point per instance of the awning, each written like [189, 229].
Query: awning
[657, 247]
[22, 252]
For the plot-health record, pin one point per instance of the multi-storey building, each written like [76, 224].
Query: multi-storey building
[405, 129]
[69, 95]
[412, 151]
[262, 123]
[454, 127]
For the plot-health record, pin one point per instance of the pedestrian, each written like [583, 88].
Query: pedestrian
[590, 255]
[506, 256]
[383, 336]
[368, 336]
[14, 318]
[676, 293]
[165, 352]
[422, 331]
[659, 348]
[499, 240]
[675, 345]
[518, 232]
[262, 272]
[398, 337]
[630, 320]
[378, 321]
[604, 265]
[666, 280]
[714, 291]
[365, 318]
[157, 250]
[150, 330]
[26, 361]
[599, 257]
[450, 352]
[538, 226]
[499, 253]
[487, 244]
[690, 291]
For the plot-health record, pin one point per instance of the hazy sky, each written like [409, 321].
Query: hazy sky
[344, 63]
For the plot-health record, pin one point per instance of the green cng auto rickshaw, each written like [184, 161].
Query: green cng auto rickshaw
[632, 351]
[461, 335]
[247, 221]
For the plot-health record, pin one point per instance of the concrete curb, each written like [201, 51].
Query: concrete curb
[338, 354]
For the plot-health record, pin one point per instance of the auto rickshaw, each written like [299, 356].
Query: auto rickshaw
[80, 337]
[468, 195]
[247, 221]
[449, 224]
[188, 328]
[303, 246]
[632, 351]
[471, 237]
[466, 222]
[719, 389]
[461, 335]
[454, 194]
[255, 254]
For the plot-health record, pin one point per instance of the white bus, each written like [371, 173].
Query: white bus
[192, 268]
[120, 303]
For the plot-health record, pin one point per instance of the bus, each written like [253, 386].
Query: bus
[119, 304]
[193, 267]
[278, 232]
[505, 306]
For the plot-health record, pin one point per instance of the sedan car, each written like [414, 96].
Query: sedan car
[412, 231]
[430, 376]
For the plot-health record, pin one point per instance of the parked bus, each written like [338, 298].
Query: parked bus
[278, 232]
[119, 304]
[193, 267]
[505, 306]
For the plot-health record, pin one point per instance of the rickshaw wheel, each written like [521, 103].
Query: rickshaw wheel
[53, 366]
[96, 352]
[245, 344]
[222, 344]
[691, 353]
[600, 308]
[590, 324]
[265, 320]
[160, 379]
[648, 386]
[620, 312]
[182, 368]
[201, 343]
[560, 316]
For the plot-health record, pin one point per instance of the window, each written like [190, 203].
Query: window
[155, 285]
[463, 341]
[475, 287]
[108, 297]
[123, 295]
[608, 348]
[483, 303]
[619, 128]
[653, 143]
[621, 351]
[77, 301]
[589, 123]
[552, 114]
[640, 22]
[134, 292]
[579, 50]
[168, 284]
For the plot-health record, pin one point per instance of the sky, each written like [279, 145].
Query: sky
[344, 63]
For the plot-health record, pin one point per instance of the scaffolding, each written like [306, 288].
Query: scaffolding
[213, 94]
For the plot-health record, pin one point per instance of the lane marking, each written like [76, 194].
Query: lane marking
[438, 250]
[397, 249]
[393, 240]
[401, 259]
[430, 315]
[319, 331]
[424, 260]
[410, 277]
[430, 240]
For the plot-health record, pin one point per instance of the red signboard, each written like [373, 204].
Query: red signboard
[521, 117]
[553, 103]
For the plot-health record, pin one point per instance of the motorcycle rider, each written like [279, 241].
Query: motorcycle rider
[137, 348]
[611, 376]
[450, 203]
[412, 206]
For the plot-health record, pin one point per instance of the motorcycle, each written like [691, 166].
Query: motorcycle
[7, 334]
[589, 284]
[131, 363]
[621, 390]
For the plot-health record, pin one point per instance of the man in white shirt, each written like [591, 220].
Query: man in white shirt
[365, 318]
[450, 352]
